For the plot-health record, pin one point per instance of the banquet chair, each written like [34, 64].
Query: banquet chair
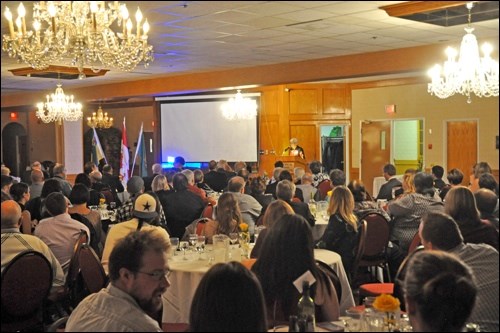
[395, 288]
[208, 211]
[323, 188]
[330, 272]
[377, 239]
[415, 242]
[26, 283]
[360, 248]
[93, 275]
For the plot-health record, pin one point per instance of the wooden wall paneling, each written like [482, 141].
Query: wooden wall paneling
[308, 139]
[335, 101]
[304, 101]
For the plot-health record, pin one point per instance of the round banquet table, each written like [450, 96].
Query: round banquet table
[186, 275]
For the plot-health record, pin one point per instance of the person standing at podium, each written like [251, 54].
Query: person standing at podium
[294, 149]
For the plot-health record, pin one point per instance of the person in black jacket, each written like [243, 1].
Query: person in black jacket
[294, 149]
[386, 189]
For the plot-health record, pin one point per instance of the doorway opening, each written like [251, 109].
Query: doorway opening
[334, 140]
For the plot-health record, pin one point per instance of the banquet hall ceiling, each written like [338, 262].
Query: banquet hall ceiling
[205, 36]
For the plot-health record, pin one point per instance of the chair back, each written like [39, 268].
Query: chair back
[377, 238]
[26, 282]
[208, 211]
[93, 274]
[400, 277]
[323, 188]
[330, 272]
[360, 248]
[415, 242]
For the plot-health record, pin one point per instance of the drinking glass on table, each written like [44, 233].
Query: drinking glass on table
[184, 245]
[233, 238]
[200, 245]
[192, 240]
[174, 242]
[112, 205]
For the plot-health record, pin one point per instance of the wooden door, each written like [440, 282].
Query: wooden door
[461, 146]
[375, 150]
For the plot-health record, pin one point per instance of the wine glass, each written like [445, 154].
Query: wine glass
[184, 245]
[192, 240]
[112, 205]
[200, 245]
[233, 238]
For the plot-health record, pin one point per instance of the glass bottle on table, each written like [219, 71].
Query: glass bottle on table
[306, 310]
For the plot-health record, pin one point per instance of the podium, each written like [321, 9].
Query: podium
[291, 162]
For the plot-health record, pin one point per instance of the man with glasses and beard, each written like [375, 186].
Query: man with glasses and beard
[138, 272]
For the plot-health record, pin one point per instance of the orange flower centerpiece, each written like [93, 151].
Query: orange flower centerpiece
[244, 239]
[389, 305]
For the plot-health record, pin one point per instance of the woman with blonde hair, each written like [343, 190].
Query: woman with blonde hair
[341, 234]
[228, 217]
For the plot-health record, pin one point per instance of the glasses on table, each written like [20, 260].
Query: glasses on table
[158, 275]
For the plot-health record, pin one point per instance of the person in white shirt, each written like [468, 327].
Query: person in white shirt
[138, 272]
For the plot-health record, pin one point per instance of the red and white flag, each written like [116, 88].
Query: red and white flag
[124, 161]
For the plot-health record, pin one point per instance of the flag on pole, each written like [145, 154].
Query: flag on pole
[97, 151]
[141, 152]
[124, 160]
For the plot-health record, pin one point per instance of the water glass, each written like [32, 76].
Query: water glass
[174, 242]
[200, 245]
[354, 322]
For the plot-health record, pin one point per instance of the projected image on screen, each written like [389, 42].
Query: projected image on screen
[196, 130]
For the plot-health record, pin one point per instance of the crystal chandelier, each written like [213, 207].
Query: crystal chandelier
[100, 119]
[59, 107]
[239, 107]
[471, 74]
[81, 32]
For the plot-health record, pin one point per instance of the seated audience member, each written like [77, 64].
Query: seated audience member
[437, 172]
[182, 206]
[337, 178]
[138, 270]
[179, 164]
[460, 204]
[14, 242]
[249, 207]
[199, 180]
[37, 180]
[258, 186]
[157, 170]
[341, 233]
[245, 174]
[60, 232]
[94, 195]
[288, 249]
[223, 166]
[362, 205]
[162, 189]
[309, 192]
[79, 198]
[228, 299]
[285, 191]
[298, 172]
[386, 190]
[59, 173]
[88, 167]
[271, 187]
[113, 182]
[36, 206]
[195, 189]
[439, 231]
[440, 292]
[20, 193]
[228, 217]
[215, 179]
[455, 177]
[487, 203]
[285, 174]
[143, 214]
[7, 182]
[407, 211]
[487, 180]
[477, 170]
[274, 212]
[318, 176]
[135, 187]
[407, 184]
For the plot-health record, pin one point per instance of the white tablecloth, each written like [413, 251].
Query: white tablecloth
[186, 276]
[319, 227]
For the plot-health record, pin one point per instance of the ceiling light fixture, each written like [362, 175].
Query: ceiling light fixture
[239, 107]
[80, 31]
[470, 74]
[59, 107]
[100, 119]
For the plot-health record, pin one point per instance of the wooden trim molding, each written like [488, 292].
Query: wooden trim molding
[414, 7]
